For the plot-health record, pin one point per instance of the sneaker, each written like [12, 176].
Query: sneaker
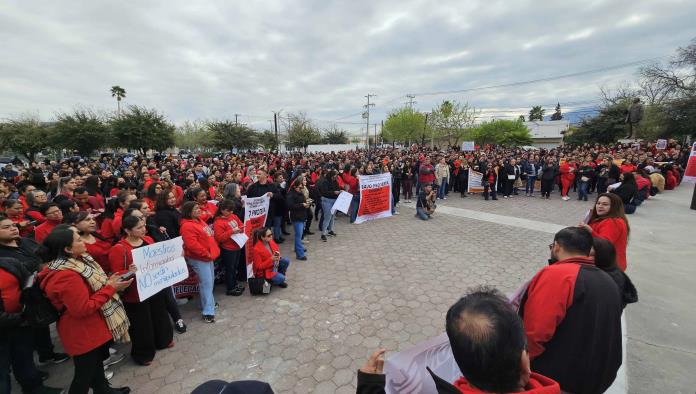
[305, 241]
[280, 241]
[116, 358]
[112, 351]
[43, 374]
[55, 358]
[396, 213]
[303, 258]
[217, 305]
[208, 318]
[182, 301]
[236, 292]
[331, 233]
[323, 238]
[283, 285]
[180, 326]
[309, 232]
[108, 374]
[505, 196]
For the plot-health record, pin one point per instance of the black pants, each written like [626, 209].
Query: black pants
[486, 190]
[308, 222]
[230, 259]
[546, 186]
[42, 341]
[172, 306]
[150, 328]
[17, 351]
[509, 183]
[396, 190]
[602, 185]
[89, 372]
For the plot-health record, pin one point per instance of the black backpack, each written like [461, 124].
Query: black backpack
[38, 309]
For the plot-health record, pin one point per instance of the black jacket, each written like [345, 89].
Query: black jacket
[626, 191]
[20, 272]
[168, 218]
[327, 188]
[295, 201]
[549, 172]
[25, 252]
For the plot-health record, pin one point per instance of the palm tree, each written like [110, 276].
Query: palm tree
[536, 113]
[119, 93]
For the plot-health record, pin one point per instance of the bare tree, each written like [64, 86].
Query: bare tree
[678, 76]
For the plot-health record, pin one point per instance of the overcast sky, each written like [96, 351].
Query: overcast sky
[209, 60]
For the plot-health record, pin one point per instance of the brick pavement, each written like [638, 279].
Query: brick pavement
[381, 284]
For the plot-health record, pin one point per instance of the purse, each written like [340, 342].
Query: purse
[259, 286]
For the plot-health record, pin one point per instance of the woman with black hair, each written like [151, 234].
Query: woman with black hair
[92, 313]
[166, 214]
[151, 195]
[150, 329]
[627, 191]
[604, 255]
[96, 199]
[225, 225]
[97, 247]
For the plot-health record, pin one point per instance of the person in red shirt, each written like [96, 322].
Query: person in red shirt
[608, 220]
[567, 170]
[207, 208]
[92, 313]
[151, 195]
[200, 250]
[97, 247]
[150, 328]
[266, 259]
[54, 217]
[226, 224]
[13, 211]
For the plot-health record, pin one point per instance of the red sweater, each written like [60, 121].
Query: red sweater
[615, 231]
[9, 292]
[262, 260]
[99, 250]
[199, 244]
[566, 175]
[538, 384]
[120, 258]
[207, 211]
[81, 326]
[223, 231]
[43, 229]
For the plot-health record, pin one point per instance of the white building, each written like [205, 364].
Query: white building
[547, 134]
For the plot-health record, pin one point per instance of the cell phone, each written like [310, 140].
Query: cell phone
[127, 276]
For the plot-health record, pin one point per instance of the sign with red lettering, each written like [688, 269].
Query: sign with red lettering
[255, 213]
[375, 197]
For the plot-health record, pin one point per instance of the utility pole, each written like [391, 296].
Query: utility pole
[425, 127]
[275, 125]
[410, 100]
[235, 119]
[375, 135]
[366, 115]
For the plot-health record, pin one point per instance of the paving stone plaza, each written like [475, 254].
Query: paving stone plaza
[386, 283]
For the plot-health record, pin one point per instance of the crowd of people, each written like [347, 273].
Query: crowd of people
[71, 226]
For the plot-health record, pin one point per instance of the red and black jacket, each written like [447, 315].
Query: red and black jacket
[572, 317]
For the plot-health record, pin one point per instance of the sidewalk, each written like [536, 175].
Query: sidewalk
[662, 265]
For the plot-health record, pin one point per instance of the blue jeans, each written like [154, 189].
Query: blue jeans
[277, 221]
[299, 229]
[206, 281]
[529, 187]
[442, 189]
[230, 259]
[282, 269]
[17, 351]
[327, 224]
[420, 212]
[582, 190]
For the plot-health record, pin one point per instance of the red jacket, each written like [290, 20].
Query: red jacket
[538, 384]
[120, 258]
[199, 244]
[43, 229]
[670, 181]
[9, 292]
[262, 260]
[106, 229]
[116, 223]
[566, 175]
[352, 183]
[35, 215]
[81, 326]
[223, 231]
[615, 231]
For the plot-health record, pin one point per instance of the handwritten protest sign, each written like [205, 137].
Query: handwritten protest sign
[255, 213]
[661, 144]
[375, 197]
[160, 265]
[468, 146]
[342, 203]
[475, 179]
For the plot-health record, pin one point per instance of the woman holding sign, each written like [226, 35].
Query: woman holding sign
[200, 250]
[225, 226]
[150, 329]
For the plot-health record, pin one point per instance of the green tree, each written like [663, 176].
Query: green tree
[557, 115]
[334, 135]
[605, 128]
[404, 124]
[502, 132]
[536, 113]
[25, 135]
[301, 131]
[267, 139]
[677, 117]
[226, 135]
[119, 93]
[83, 130]
[142, 129]
[193, 135]
[452, 120]
[521, 118]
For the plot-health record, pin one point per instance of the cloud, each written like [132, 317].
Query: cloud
[198, 60]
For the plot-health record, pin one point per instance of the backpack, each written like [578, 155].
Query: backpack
[38, 309]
